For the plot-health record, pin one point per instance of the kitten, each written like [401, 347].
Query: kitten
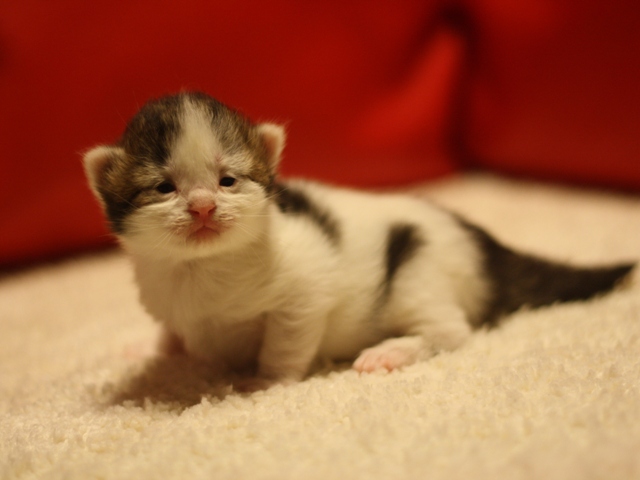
[245, 270]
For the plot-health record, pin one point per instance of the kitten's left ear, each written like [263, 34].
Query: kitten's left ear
[273, 136]
[95, 162]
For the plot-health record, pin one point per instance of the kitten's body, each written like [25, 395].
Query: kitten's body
[283, 273]
[338, 283]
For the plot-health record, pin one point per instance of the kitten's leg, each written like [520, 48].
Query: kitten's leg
[391, 354]
[444, 331]
[170, 344]
[289, 347]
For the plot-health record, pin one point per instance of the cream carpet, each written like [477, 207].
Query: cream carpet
[553, 394]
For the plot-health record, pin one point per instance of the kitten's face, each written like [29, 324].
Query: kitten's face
[189, 178]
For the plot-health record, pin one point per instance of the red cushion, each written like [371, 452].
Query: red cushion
[365, 88]
[370, 91]
[555, 89]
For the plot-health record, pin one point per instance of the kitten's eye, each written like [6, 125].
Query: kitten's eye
[166, 187]
[227, 181]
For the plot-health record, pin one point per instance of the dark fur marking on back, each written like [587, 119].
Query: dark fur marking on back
[295, 202]
[403, 241]
[519, 280]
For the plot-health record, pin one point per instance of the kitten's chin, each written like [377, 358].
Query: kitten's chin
[197, 243]
[204, 241]
[190, 243]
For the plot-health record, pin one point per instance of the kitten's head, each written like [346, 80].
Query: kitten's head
[188, 178]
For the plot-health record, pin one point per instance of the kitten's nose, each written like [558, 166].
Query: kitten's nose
[204, 210]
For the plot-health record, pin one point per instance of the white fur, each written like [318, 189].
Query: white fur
[272, 286]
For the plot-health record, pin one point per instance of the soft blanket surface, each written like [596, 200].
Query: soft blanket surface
[551, 394]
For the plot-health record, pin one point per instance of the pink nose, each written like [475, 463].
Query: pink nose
[203, 211]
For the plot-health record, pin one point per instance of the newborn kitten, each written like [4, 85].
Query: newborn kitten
[248, 271]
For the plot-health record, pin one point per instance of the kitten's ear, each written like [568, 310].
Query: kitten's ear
[95, 161]
[273, 136]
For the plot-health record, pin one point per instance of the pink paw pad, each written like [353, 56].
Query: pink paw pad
[382, 358]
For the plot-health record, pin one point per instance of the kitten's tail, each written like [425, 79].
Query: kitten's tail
[519, 280]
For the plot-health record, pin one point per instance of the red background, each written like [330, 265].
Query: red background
[376, 92]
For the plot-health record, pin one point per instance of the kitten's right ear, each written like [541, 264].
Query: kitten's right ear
[273, 136]
[95, 161]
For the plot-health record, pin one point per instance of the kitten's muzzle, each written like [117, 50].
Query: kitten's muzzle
[201, 204]
[204, 227]
[202, 211]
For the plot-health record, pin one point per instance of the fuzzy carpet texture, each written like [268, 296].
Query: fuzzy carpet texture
[552, 394]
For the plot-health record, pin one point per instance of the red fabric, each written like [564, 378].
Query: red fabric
[373, 92]
[555, 90]
[341, 75]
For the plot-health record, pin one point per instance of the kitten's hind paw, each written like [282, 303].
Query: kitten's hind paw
[389, 355]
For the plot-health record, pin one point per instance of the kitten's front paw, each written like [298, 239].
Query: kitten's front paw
[382, 357]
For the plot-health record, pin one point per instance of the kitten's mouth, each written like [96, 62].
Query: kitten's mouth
[201, 233]
[204, 233]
